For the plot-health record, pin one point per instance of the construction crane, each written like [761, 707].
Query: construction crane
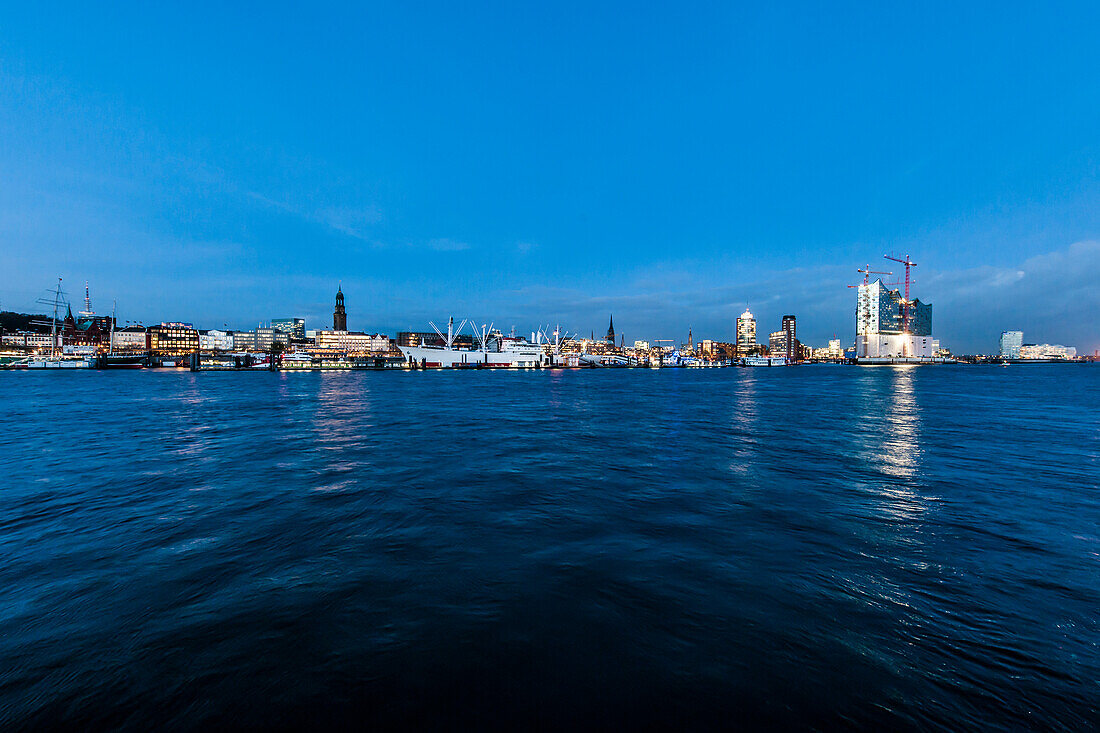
[867, 272]
[905, 303]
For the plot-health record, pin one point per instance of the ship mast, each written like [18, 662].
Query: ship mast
[53, 330]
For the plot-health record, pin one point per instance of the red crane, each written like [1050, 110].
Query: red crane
[905, 303]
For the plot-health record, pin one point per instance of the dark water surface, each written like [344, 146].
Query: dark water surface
[903, 548]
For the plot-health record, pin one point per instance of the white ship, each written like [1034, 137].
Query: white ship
[764, 361]
[491, 350]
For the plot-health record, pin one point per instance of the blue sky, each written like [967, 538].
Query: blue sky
[671, 164]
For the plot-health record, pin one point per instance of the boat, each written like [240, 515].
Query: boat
[764, 361]
[57, 360]
[492, 349]
[121, 361]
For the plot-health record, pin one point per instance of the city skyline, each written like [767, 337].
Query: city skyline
[555, 167]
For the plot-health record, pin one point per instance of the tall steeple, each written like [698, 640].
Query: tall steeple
[339, 316]
[611, 331]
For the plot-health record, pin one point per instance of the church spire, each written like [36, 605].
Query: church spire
[611, 331]
[339, 315]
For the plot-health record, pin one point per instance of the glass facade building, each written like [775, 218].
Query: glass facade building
[1011, 341]
[294, 328]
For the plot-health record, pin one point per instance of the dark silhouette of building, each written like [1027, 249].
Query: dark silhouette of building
[611, 331]
[339, 316]
[789, 332]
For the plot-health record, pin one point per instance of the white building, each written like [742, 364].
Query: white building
[1047, 351]
[29, 339]
[880, 328]
[746, 330]
[353, 341]
[1011, 341]
[131, 338]
[214, 340]
[832, 351]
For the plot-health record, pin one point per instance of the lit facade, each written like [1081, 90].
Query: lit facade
[880, 324]
[294, 328]
[214, 340]
[746, 330]
[1011, 341]
[1047, 351]
[173, 339]
[353, 341]
[131, 338]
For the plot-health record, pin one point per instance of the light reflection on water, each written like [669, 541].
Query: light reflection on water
[791, 548]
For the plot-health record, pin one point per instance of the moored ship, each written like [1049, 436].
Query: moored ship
[492, 349]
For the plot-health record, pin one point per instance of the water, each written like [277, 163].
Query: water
[876, 548]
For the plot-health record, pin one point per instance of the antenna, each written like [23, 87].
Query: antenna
[87, 312]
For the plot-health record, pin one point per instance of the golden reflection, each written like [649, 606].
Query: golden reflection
[343, 421]
[901, 448]
[899, 454]
[744, 422]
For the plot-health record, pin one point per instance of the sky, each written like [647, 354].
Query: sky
[671, 164]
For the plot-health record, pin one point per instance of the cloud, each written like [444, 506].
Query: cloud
[444, 244]
[350, 221]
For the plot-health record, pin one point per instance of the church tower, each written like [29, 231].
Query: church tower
[611, 331]
[339, 316]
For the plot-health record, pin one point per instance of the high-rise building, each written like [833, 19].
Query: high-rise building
[339, 316]
[789, 330]
[1011, 341]
[880, 327]
[294, 328]
[746, 331]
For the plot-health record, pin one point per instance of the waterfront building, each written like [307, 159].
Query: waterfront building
[641, 346]
[880, 330]
[244, 341]
[173, 339]
[88, 330]
[791, 342]
[746, 332]
[777, 343]
[294, 328]
[339, 316]
[351, 342]
[1047, 351]
[214, 340]
[1011, 341]
[30, 340]
[131, 338]
[832, 351]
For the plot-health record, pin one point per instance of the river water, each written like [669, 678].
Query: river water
[820, 546]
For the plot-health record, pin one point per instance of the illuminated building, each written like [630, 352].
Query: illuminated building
[294, 328]
[880, 330]
[746, 331]
[214, 340]
[353, 341]
[131, 338]
[170, 339]
[791, 341]
[1047, 351]
[1011, 341]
